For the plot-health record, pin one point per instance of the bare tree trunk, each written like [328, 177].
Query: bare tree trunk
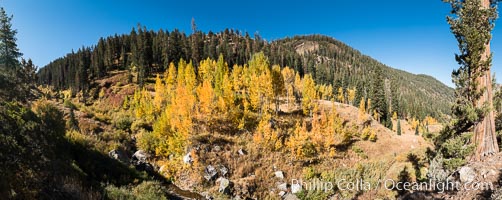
[484, 131]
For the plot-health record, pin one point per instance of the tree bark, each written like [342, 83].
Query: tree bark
[484, 131]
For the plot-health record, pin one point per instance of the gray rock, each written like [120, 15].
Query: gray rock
[282, 193]
[279, 174]
[282, 186]
[242, 152]
[291, 197]
[206, 195]
[210, 173]
[217, 148]
[295, 188]
[487, 172]
[187, 158]
[224, 185]
[119, 155]
[139, 156]
[223, 170]
[467, 174]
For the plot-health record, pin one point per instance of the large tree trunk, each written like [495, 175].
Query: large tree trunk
[484, 131]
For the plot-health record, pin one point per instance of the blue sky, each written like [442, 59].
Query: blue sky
[408, 35]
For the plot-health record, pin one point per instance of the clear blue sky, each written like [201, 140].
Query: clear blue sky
[408, 35]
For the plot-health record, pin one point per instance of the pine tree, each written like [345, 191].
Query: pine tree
[9, 52]
[29, 71]
[472, 23]
[10, 79]
[379, 100]
[398, 127]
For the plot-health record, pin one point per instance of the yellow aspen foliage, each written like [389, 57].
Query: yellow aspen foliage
[297, 139]
[180, 115]
[368, 106]
[67, 94]
[373, 136]
[190, 79]
[414, 123]
[365, 134]
[170, 81]
[394, 116]
[429, 121]
[206, 70]
[254, 92]
[265, 136]
[341, 96]
[219, 73]
[221, 105]
[260, 90]
[206, 98]
[277, 85]
[259, 63]
[376, 116]
[228, 96]
[289, 81]
[362, 109]
[351, 95]
[159, 97]
[309, 94]
[180, 78]
[101, 93]
[125, 104]
[328, 92]
[143, 105]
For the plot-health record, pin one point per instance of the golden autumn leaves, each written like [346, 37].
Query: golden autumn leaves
[246, 97]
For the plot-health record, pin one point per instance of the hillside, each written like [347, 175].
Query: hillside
[224, 132]
[329, 61]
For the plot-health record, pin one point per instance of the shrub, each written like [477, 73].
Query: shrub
[122, 122]
[309, 173]
[68, 104]
[146, 141]
[309, 150]
[455, 151]
[359, 152]
[366, 133]
[373, 136]
[147, 190]
[122, 193]
[139, 124]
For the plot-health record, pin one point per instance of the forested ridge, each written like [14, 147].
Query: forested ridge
[329, 61]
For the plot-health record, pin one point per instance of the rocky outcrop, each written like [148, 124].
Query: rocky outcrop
[119, 155]
[224, 185]
[279, 174]
[140, 160]
[210, 173]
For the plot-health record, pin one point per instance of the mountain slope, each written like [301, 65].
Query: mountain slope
[337, 63]
[330, 61]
